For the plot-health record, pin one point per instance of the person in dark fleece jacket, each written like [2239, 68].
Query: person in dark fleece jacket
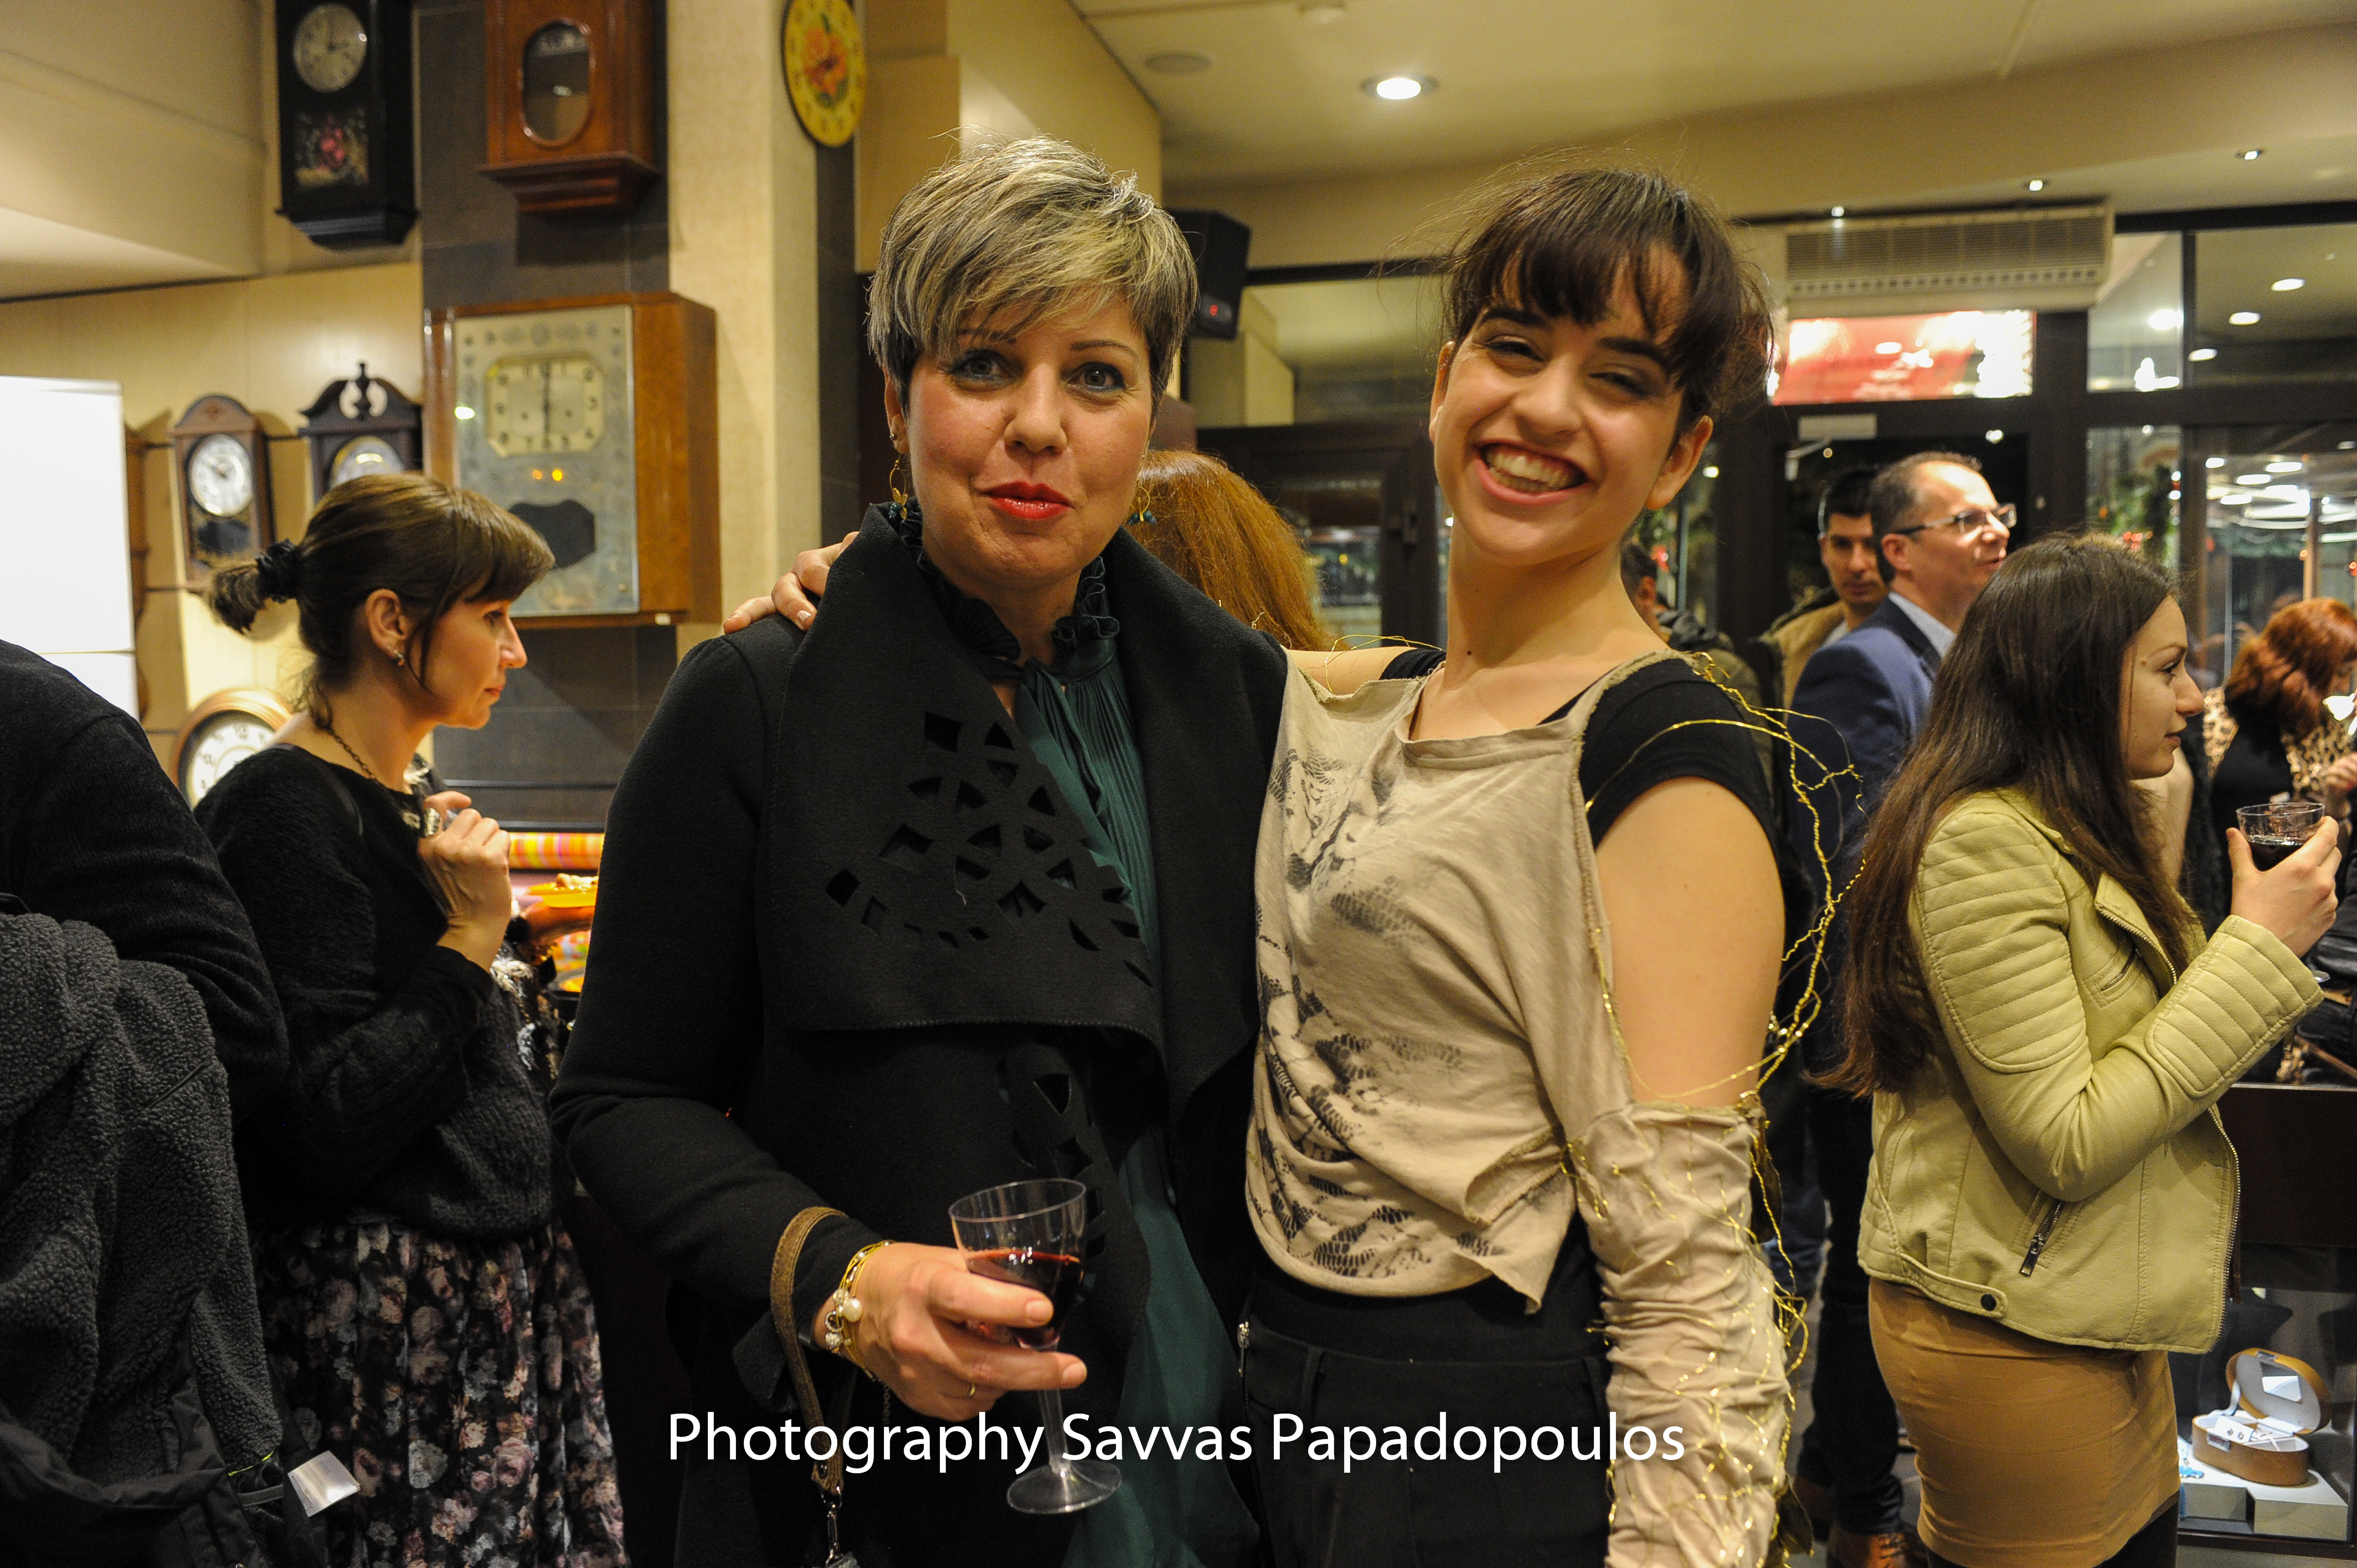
[420, 1296]
[92, 829]
[132, 1381]
[125, 944]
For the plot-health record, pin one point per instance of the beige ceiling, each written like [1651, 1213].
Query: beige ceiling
[1282, 99]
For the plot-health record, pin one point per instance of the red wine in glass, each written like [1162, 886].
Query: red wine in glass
[1055, 1275]
[2269, 850]
[1028, 1233]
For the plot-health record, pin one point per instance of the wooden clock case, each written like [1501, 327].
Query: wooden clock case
[327, 427]
[215, 414]
[676, 437]
[606, 162]
[379, 209]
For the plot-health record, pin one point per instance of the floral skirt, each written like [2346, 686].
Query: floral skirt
[460, 1382]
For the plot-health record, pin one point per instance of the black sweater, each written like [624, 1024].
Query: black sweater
[91, 830]
[406, 1093]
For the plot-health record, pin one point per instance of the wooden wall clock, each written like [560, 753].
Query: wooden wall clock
[362, 425]
[221, 732]
[595, 420]
[224, 460]
[345, 172]
[571, 86]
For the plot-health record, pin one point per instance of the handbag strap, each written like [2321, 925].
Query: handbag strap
[827, 1474]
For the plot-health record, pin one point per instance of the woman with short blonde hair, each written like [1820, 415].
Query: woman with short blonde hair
[953, 889]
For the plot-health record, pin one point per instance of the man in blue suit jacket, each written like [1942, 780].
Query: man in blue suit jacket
[1859, 704]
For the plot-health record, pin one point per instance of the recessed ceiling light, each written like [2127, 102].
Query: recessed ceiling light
[2214, 462]
[1840, 211]
[2244, 318]
[1710, 473]
[1179, 62]
[2033, 185]
[2250, 155]
[2285, 286]
[1993, 436]
[2287, 467]
[1399, 89]
[2203, 354]
[2165, 320]
[1889, 347]
[2259, 479]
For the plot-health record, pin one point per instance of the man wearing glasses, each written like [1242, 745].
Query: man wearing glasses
[1860, 701]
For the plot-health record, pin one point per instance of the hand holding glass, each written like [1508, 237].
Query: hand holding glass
[1030, 1233]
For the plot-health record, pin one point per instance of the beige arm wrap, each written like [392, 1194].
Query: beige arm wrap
[1695, 1344]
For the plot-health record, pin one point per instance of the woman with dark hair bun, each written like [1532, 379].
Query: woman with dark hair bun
[2266, 732]
[419, 1295]
[2046, 1034]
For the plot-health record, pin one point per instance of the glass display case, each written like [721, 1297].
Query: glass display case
[2298, 1302]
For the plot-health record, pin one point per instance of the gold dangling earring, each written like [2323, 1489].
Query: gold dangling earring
[899, 497]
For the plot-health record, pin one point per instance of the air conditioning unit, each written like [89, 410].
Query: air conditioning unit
[2051, 258]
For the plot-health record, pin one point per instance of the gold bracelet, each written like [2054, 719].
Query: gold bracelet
[844, 1309]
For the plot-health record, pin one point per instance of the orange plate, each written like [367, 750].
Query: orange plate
[559, 897]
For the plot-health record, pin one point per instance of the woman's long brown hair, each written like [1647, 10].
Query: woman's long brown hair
[2029, 699]
[1210, 526]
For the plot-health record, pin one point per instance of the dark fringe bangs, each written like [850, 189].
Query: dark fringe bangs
[1560, 245]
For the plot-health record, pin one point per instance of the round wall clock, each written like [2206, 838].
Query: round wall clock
[826, 69]
[221, 732]
[330, 45]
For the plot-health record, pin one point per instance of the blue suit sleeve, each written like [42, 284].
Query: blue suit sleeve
[1854, 729]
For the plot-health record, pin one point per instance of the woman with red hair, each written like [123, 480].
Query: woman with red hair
[2266, 732]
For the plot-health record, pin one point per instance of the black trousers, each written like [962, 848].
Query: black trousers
[1468, 1508]
[1852, 1442]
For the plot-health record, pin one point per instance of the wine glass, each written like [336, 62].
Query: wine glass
[1028, 1233]
[2277, 828]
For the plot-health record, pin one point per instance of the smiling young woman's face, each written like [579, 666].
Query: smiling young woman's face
[1023, 448]
[1549, 437]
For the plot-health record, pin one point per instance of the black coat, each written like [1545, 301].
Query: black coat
[851, 949]
[91, 830]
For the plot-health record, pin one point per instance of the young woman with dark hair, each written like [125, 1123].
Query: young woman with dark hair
[1501, 1008]
[2046, 1031]
[419, 1294]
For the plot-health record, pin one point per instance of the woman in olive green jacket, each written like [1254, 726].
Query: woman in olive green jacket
[2053, 1199]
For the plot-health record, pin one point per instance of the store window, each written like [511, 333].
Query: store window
[2135, 487]
[2135, 334]
[2282, 524]
[2275, 305]
[1903, 359]
[1339, 519]
[1683, 539]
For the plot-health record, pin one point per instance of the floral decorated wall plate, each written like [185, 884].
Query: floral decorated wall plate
[826, 69]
